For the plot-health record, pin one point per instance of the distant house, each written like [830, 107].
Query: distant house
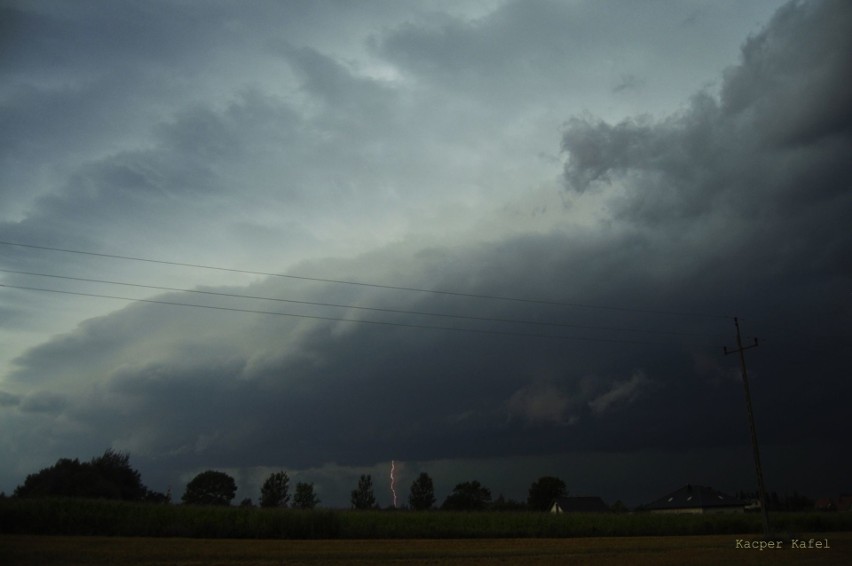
[579, 505]
[695, 499]
[842, 503]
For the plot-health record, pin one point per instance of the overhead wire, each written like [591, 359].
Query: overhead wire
[374, 285]
[334, 319]
[551, 324]
[357, 307]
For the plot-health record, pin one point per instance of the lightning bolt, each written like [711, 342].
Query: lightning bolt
[393, 482]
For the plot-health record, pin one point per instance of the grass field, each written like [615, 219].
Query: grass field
[600, 551]
[121, 519]
[65, 532]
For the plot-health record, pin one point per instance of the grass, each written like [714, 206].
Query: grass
[113, 518]
[600, 551]
[116, 518]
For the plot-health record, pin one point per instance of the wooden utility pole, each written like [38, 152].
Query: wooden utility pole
[757, 467]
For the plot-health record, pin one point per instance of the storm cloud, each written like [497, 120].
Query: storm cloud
[461, 298]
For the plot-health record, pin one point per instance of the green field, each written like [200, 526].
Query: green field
[115, 518]
[600, 551]
[78, 531]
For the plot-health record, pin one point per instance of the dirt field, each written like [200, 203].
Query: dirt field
[697, 550]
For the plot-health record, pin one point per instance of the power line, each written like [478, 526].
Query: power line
[755, 448]
[357, 307]
[372, 285]
[333, 319]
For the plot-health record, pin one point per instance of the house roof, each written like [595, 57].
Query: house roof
[694, 497]
[842, 503]
[581, 504]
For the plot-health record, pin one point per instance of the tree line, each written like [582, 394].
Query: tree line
[111, 476]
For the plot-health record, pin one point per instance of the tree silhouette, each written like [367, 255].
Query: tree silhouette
[109, 476]
[422, 494]
[543, 491]
[468, 496]
[210, 488]
[305, 498]
[274, 492]
[362, 497]
[115, 468]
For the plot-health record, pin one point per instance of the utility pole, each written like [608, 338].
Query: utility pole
[757, 468]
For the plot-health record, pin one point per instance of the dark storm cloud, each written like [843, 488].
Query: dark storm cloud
[9, 400]
[327, 80]
[751, 192]
[171, 160]
[363, 391]
[43, 402]
[721, 173]
[794, 88]
[77, 78]
[85, 83]
[627, 83]
[515, 55]
[732, 206]
[189, 169]
[530, 36]
[527, 54]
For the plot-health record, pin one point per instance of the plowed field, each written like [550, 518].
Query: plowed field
[695, 550]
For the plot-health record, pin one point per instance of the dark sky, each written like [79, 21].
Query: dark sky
[595, 188]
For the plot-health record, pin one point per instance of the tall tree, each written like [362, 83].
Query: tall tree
[362, 497]
[210, 488]
[468, 496]
[109, 476]
[275, 490]
[66, 478]
[543, 491]
[305, 498]
[114, 468]
[422, 495]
